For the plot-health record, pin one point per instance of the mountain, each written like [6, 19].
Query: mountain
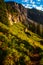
[30, 17]
[16, 11]
[37, 13]
[36, 18]
[19, 42]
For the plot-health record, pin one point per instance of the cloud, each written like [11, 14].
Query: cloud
[24, 0]
[27, 6]
[31, 1]
[39, 7]
[38, 0]
[33, 4]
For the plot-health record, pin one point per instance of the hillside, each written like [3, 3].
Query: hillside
[18, 44]
[37, 13]
[30, 17]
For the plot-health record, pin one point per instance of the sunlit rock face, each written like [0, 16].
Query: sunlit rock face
[16, 12]
[10, 18]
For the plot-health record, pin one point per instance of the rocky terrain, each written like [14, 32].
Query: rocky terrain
[30, 17]
[21, 35]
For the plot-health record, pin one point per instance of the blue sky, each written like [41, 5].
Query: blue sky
[38, 4]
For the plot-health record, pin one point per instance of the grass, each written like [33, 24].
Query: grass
[18, 29]
[16, 45]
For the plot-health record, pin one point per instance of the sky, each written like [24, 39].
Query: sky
[38, 4]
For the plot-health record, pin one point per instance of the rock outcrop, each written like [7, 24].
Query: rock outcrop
[15, 12]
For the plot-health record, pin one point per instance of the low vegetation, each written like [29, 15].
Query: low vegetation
[19, 47]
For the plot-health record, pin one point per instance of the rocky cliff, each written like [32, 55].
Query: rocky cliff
[15, 12]
[30, 17]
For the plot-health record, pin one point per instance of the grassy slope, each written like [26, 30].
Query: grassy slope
[16, 46]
